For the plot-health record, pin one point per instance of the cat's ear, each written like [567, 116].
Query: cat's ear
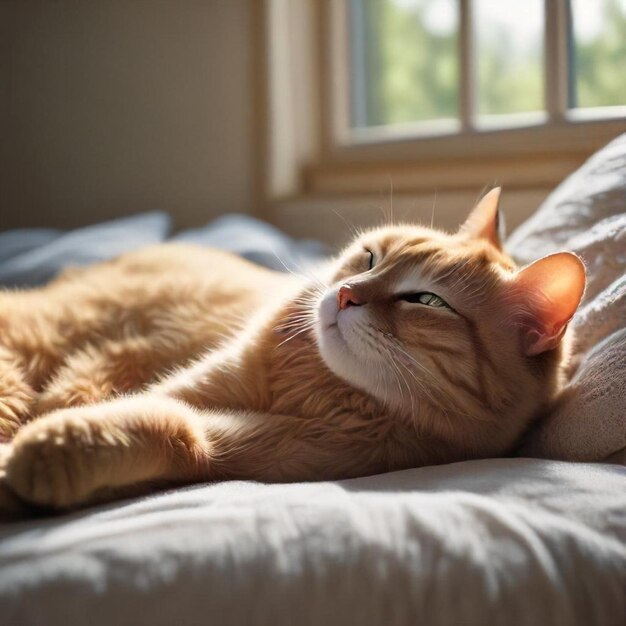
[485, 221]
[549, 292]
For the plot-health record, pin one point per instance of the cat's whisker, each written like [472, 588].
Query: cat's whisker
[387, 214]
[290, 331]
[305, 314]
[411, 394]
[432, 215]
[300, 273]
[300, 310]
[354, 231]
[298, 316]
[303, 272]
[410, 391]
[315, 279]
[423, 386]
[285, 266]
[378, 379]
[414, 415]
[299, 332]
[309, 298]
[296, 325]
[395, 370]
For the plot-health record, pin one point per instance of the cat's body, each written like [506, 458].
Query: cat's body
[114, 327]
[233, 371]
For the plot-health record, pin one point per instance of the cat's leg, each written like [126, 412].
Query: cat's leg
[31, 346]
[74, 456]
[98, 372]
[65, 458]
[16, 395]
[110, 368]
[284, 448]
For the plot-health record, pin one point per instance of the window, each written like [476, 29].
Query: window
[394, 79]
[509, 52]
[444, 65]
[597, 40]
[434, 96]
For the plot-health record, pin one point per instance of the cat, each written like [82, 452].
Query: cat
[176, 364]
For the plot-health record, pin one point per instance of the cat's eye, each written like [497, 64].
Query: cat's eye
[426, 298]
[370, 259]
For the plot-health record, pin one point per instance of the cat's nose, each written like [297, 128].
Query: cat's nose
[347, 297]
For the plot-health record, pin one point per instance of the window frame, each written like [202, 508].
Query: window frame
[557, 124]
[310, 148]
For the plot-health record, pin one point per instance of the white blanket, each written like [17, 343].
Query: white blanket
[506, 541]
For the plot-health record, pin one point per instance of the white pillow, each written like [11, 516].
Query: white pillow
[587, 215]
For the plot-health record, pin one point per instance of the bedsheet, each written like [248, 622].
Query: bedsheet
[500, 541]
[31, 257]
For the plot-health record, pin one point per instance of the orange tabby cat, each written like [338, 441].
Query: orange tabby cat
[180, 364]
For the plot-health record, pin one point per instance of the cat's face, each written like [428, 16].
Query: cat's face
[414, 315]
[410, 311]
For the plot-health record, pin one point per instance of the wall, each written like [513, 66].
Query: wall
[337, 217]
[111, 107]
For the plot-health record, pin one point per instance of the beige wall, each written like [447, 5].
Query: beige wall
[337, 217]
[110, 107]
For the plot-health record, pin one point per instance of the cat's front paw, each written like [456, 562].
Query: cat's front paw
[51, 462]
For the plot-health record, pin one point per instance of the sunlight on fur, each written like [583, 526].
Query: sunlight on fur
[177, 364]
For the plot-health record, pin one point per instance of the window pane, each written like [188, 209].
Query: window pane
[599, 53]
[509, 56]
[404, 60]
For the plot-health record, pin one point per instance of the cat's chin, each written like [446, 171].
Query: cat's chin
[345, 349]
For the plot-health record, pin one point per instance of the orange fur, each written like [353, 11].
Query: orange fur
[178, 364]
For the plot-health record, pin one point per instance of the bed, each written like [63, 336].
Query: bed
[514, 541]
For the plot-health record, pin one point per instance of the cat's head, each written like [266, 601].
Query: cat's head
[415, 316]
